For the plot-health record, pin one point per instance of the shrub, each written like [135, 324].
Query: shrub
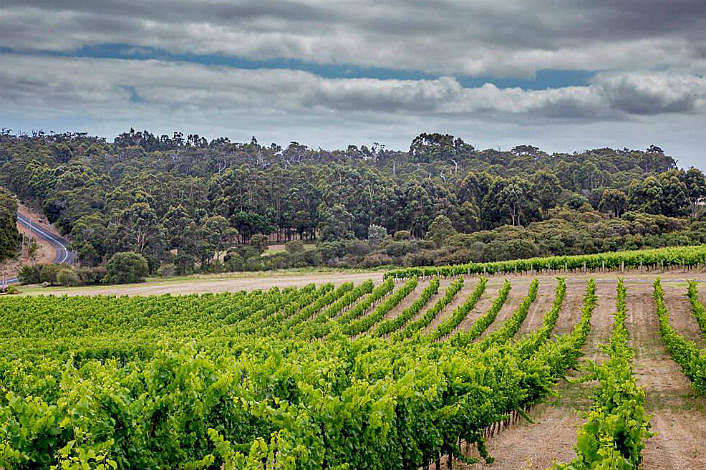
[184, 264]
[440, 229]
[48, 273]
[124, 267]
[375, 259]
[356, 247]
[376, 234]
[67, 277]
[399, 248]
[295, 246]
[166, 269]
[234, 262]
[153, 263]
[402, 235]
[259, 242]
[91, 275]
[242, 251]
[29, 274]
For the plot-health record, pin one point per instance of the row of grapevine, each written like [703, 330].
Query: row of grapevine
[682, 256]
[361, 307]
[513, 323]
[219, 399]
[550, 319]
[363, 324]
[388, 326]
[311, 309]
[697, 307]
[286, 310]
[485, 320]
[617, 425]
[690, 358]
[447, 326]
[414, 327]
[311, 328]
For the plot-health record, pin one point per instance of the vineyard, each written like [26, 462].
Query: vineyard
[655, 259]
[536, 371]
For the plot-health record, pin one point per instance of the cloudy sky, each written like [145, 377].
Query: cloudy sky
[563, 75]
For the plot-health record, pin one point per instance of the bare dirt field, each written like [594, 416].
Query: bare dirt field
[213, 283]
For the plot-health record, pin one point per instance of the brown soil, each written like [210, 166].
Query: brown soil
[541, 305]
[484, 303]
[468, 287]
[570, 311]
[681, 313]
[678, 415]
[214, 283]
[514, 298]
[408, 300]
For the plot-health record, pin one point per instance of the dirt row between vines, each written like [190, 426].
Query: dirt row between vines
[678, 415]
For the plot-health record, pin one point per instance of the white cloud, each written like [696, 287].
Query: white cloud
[93, 86]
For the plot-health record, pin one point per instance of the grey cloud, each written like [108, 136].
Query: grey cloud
[641, 93]
[513, 37]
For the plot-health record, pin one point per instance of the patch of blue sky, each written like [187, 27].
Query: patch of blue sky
[545, 78]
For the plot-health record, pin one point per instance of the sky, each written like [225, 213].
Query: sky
[562, 75]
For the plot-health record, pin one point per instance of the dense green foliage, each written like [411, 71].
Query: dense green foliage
[690, 358]
[363, 324]
[126, 267]
[191, 204]
[9, 236]
[513, 323]
[687, 256]
[697, 307]
[413, 327]
[448, 325]
[180, 382]
[617, 425]
[396, 323]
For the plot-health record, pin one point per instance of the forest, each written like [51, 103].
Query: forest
[187, 204]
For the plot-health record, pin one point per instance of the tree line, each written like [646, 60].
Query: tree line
[9, 236]
[187, 203]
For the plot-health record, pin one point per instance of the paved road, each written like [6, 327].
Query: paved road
[63, 255]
